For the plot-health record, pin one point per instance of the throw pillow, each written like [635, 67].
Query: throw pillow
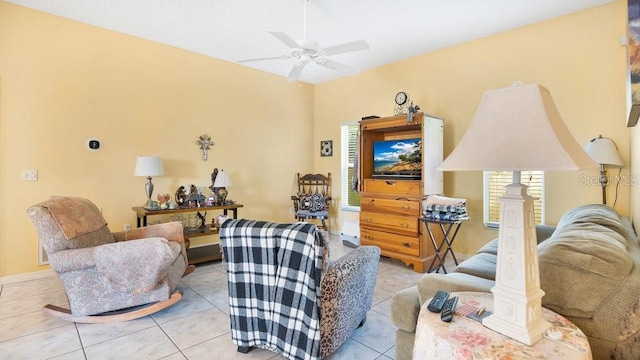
[312, 202]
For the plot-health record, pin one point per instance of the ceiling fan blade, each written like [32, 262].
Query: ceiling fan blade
[297, 70]
[334, 65]
[346, 47]
[285, 39]
[281, 57]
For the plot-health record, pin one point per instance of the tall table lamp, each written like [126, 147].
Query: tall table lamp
[222, 182]
[605, 152]
[517, 129]
[149, 166]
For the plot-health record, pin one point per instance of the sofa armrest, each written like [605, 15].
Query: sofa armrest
[347, 293]
[72, 260]
[171, 231]
[430, 283]
[543, 232]
[405, 307]
[135, 266]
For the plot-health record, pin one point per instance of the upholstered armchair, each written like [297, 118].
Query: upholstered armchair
[103, 271]
[284, 293]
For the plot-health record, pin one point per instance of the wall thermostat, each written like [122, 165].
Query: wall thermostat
[93, 144]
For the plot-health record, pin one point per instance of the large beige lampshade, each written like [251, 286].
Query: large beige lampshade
[517, 128]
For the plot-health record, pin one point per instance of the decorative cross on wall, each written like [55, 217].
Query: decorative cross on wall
[205, 142]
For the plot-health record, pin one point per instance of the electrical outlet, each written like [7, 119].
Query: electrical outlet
[29, 175]
[127, 227]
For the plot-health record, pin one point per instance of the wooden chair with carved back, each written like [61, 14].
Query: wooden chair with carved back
[313, 198]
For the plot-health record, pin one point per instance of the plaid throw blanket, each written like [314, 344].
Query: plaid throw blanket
[446, 208]
[274, 285]
[446, 216]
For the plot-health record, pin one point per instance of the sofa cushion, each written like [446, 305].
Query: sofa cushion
[489, 248]
[481, 265]
[584, 262]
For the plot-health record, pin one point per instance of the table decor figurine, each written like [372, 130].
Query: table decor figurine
[181, 197]
[163, 199]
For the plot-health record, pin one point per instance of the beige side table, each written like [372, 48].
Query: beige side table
[464, 338]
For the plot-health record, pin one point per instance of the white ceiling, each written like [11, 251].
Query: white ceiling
[238, 29]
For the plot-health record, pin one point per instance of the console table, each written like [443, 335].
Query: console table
[204, 253]
[464, 338]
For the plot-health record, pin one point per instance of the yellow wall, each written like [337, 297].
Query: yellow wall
[577, 57]
[62, 82]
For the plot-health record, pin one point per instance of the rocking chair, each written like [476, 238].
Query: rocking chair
[108, 276]
[313, 197]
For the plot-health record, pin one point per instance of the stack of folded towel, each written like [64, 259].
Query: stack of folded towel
[444, 208]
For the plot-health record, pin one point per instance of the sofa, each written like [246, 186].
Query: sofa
[589, 271]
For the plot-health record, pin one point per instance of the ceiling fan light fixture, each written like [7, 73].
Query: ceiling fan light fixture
[307, 44]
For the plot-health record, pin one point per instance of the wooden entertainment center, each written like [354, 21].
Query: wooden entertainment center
[391, 207]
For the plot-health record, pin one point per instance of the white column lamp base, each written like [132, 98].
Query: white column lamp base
[517, 311]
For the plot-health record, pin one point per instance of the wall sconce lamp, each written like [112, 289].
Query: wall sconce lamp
[149, 166]
[605, 152]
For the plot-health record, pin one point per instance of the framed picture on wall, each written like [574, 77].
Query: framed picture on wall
[633, 51]
[326, 148]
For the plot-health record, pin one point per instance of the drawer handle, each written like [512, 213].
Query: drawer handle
[405, 207]
[391, 182]
[371, 203]
[369, 220]
[406, 244]
[404, 225]
[369, 237]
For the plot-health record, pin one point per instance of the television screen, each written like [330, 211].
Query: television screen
[397, 159]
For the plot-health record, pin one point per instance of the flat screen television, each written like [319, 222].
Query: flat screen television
[397, 159]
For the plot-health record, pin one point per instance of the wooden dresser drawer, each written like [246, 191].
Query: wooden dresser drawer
[391, 242]
[406, 225]
[391, 206]
[400, 187]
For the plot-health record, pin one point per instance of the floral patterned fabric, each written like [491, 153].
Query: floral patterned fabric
[464, 338]
[75, 216]
[152, 272]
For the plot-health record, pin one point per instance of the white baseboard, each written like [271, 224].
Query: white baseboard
[36, 275]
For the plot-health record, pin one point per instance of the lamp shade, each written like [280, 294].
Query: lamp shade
[604, 151]
[149, 166]
[222, 180]
[514, 129]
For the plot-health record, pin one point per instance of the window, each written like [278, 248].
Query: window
[494, 183]
[348, 146]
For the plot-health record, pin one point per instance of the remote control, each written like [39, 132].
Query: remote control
[447, 311]
[438, 300]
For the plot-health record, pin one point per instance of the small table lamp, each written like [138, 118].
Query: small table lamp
[222, 181]
[605, 152]
[516, 129]
[149, 166]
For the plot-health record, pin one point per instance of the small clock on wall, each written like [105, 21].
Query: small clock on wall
[402, 103]
[326, 148]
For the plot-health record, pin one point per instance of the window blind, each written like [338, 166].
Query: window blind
[349, 153]
[494, 183]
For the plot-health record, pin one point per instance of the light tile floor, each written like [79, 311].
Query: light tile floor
[197, 327]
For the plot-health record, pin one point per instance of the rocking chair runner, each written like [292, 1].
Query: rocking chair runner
[109, 276]
[313, 197]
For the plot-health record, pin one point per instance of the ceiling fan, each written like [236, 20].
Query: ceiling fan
[309, 51]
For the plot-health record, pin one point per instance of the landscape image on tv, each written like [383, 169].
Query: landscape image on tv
[397, 157]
